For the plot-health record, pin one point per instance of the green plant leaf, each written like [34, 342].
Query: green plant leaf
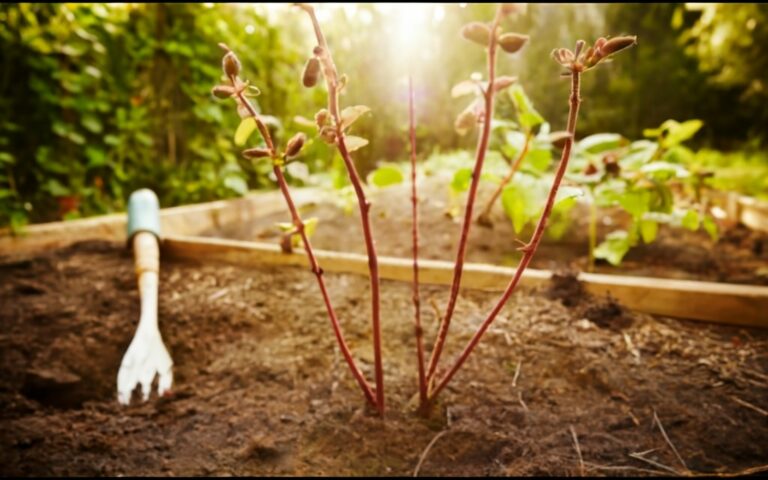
[665, 170]
[385, 175]
[354, 143]
[350, 114]
[568, 192]
[600, 142]
[711, 227]
[648, 230]
[636, 203]
[678, 133]
[236, 183]
[461, 179]
[691, 220]
[244, 130]
[465, 87]
[526, 114]
[614, 247]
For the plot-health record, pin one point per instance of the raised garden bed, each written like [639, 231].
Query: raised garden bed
[259, 389]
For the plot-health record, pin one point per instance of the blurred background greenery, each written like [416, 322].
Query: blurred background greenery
[97, 100]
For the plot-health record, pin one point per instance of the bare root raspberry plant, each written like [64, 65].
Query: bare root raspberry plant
[332, 123]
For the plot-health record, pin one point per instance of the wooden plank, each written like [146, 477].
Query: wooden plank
[707, 301]
[753, 213]
[183, 220]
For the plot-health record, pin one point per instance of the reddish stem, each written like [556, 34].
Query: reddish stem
[530, 249]
[300, 228]
[330, 74]
[416, 296]
[319, 274]
[505, 181]
[482, 147]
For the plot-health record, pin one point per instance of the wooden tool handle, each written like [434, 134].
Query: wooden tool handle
[146, 253]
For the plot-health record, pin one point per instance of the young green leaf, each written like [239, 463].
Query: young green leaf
[354, 143]
[648, 230]
[466, 87]
[691, 220]
[711, 227]
[526, 114]
[350, 114]
[600, 142]
[386, 175]
[615, 246]
[244, 130]
[461, 180]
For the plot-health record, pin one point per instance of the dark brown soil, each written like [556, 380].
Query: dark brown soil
[740, 255]
[260, 387]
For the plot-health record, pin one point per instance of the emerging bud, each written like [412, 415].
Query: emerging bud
[343, 79]
[617, 43]
[477, 32]
[311, 72]
[465, 121]
[253, 153]
[321, 118]
[328, 134]
[231, 65]
[222, 91]
[318, 51]
[295, 144]
[512, 42]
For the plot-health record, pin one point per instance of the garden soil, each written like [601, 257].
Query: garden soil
[739, 256]
[562, 383]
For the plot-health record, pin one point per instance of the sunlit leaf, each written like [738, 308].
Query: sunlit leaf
[600, 142]
[246, 128]
[466, 87]
[350, 114]
[461, 179]
[648, 230]
[614, 248]
[386, 175]
[236, 184]
[711, 227]
[354, 143]
[691, 220]
[526, 114]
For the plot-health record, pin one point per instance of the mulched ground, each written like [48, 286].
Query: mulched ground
[261, 389]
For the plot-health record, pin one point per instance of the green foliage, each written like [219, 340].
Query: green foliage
[105, 99]
[386, 175]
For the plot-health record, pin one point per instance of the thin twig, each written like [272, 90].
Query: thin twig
[745, 403]
[482, 148]
[426, 451]
[669, 442]
[530, 248]
[517, 373]
[654, 463]
[415, 210]
[620, 468]
[520, 399]
[300, 227]
[332, 82]
[578, 450]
